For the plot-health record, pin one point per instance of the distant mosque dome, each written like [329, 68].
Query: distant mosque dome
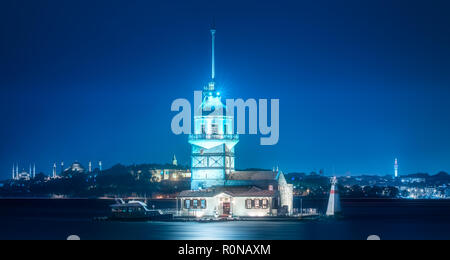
[24, 176]
[76, 167]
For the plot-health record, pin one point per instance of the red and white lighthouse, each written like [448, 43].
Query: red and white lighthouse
[334, 203]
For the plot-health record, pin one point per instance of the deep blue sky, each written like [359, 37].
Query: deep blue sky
[359, 82]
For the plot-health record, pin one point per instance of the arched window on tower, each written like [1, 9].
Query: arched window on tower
[214, 129]
[203, 129]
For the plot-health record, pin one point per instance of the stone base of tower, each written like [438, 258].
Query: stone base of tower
[206, 184]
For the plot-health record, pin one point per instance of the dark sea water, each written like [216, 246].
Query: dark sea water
[389, 219]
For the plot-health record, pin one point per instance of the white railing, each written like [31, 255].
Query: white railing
[195, 137]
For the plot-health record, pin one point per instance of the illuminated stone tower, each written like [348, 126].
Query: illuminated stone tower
[213, 140]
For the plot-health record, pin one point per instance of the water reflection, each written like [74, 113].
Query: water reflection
[390, 220]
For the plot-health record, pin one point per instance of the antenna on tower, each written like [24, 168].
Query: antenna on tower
[213, 39]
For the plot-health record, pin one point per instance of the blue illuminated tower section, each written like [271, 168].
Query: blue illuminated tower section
[213, 140]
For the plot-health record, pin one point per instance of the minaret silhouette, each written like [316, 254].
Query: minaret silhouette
[174, 161]
[54, 171]
[396, 168]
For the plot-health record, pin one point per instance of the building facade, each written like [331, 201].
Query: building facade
[159, 175]
[238, 201]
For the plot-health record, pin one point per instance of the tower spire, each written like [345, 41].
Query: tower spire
[213, 39]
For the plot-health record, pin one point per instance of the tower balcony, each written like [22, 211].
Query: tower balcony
[218, 137]
[208, 141]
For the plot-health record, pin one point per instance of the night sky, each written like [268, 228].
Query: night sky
[360, 82]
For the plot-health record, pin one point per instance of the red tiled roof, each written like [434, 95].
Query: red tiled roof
[197, 193]
[253, 175]
[256, 192]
